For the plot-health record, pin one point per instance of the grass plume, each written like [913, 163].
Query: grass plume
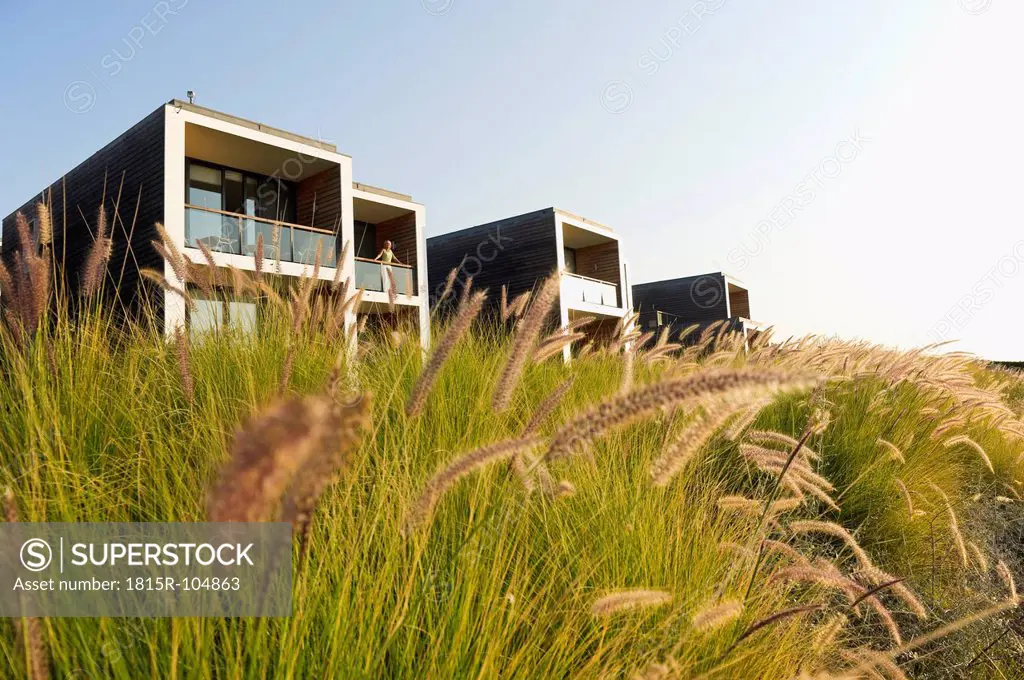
[445, 478]
[647, 400]
[716, 616]
[267, 452]
[624, 600]
[525, 341]
[442, 350]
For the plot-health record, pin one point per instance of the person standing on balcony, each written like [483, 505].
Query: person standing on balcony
[386, 256]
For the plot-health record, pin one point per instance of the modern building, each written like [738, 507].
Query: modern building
[220, 180]
[520, 252]
[703, 300]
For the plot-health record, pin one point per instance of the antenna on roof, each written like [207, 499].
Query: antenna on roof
[191, 94]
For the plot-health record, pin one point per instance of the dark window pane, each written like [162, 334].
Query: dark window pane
[366, 240]
[233, 192]
[266, 199]
[204, 186]
[286, 203]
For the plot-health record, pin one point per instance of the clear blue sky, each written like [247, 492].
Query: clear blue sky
[682, 133]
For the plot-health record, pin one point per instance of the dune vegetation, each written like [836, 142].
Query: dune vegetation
[659, 507]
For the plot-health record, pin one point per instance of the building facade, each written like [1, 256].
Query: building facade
[223, 181]
[703, 299]
[519, 252]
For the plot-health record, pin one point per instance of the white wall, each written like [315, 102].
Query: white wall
[174, 202]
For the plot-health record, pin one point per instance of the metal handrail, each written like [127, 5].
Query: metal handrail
[390, 264]
[588, 278]
[265, 220]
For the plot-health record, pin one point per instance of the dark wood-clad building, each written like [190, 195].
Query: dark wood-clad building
[703, 300]
[519, 252]
[222, 181]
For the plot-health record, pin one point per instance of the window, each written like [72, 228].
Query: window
[234, 200]
[570, 260]
[238, 192]
[366, 240]
[275, 200]
[208, 316]
[204, 191]
[227, 190]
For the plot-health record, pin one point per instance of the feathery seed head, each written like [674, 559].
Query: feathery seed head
[619, 601]
[716, 616]
[525, 341]
[736, 385]
[442, 350]
[269, 449]
[445, 478]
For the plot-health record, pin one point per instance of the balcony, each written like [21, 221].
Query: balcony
[578, 289]
[371, 276]
[225, 232]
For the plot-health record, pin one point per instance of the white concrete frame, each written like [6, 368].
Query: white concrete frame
[746, 324]
[625, 289]
[419, 299]
[175, 120]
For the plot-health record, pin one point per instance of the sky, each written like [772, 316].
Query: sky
[857, 165]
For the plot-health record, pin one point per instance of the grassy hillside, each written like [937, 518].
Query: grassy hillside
[713, 511]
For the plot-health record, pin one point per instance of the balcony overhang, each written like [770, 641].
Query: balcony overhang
[374, 205]
[577, 237]
[231, 150]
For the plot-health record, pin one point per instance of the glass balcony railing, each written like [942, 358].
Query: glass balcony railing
[224, 232]
[373, 275]
[577, 289]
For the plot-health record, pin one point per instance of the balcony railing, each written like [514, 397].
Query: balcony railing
[372, 275]
[576, 289]
[225, 232]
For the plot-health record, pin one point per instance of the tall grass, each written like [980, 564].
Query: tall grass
[679, 575]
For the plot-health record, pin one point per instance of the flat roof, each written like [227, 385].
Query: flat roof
[580, 218]
[724, 275]
[381, 192]
[253, 125]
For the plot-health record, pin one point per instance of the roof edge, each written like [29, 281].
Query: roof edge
[253, 125]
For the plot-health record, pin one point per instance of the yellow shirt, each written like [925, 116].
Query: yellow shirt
[386, 256]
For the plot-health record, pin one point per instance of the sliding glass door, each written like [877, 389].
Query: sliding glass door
[226, 197]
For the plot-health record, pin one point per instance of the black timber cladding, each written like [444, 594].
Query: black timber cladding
[127, 177]
[692, 299]
[517, 252]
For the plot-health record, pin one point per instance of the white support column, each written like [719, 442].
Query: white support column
[174, 211]
[421, 275]
[563, 307]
